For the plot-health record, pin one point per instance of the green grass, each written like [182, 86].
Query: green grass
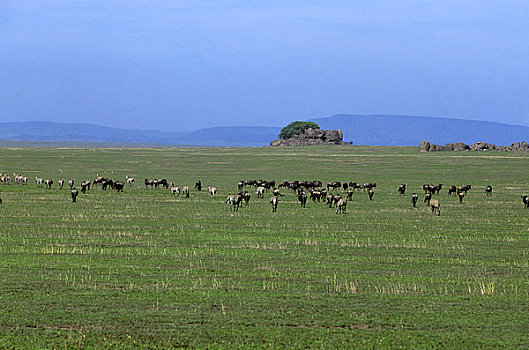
[144, 268]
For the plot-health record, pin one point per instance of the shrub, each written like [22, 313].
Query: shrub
[296, 128]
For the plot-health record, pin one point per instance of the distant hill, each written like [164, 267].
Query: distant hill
[399, 130]
[361, 129]
[234, 136]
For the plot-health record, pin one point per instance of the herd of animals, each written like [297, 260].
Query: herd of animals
[304, 189]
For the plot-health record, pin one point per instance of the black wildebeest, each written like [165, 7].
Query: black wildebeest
[525, 201]
[436, 206]
[488, 190]
[414, 199]
[427, 198]
[198, 185]
[402, 189]
[74, 194]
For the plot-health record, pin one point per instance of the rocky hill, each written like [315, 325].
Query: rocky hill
[426, 146]
[312, 137]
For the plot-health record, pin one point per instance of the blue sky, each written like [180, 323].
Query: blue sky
[184, 65]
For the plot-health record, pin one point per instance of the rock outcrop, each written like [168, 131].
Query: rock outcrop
[425, 146]
[312, 137]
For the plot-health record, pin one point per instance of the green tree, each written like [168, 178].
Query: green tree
[296, 128]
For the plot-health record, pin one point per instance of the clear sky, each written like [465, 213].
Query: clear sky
[184, 65]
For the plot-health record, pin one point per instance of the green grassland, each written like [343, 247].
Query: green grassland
[143, 268]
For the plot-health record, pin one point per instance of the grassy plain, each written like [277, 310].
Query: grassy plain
[141, 268]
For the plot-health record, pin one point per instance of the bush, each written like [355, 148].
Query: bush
[296, 128]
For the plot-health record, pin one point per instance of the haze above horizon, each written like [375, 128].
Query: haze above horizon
[183, 66]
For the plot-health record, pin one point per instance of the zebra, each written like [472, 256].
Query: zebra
[436, 206]
[341, 206]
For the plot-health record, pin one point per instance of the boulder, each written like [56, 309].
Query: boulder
[312, 137]
[460, 146]
[424, 146]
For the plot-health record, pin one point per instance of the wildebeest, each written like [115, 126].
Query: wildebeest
[212, 191]
[105, 183]
[38, 180]
[48, 183]
[240, 185]
[276, 193]
[233, 201]
[118, 186]
[74, 194]
[315, 195]
[148, 183]
[198, 185]
[246, 196]
[525, 201]
[260, 192]
[371, 193]
[330, 199]
[461, 195]
[274, 200]
[130, 180]
[185, 191]
[334, 185]
[84, 186]
[355, 186]
[435, 189]
[350, 194]
[175, 190]
[414, 199]
[61, 183]
[427, 198]
[345, 186]
[302, 198]
[464, 188]
[70, 183]
[402, 189]
[162, 182]
[436, 206]
[341, 206]
[451, 190]
[488, 190]
[369, 186]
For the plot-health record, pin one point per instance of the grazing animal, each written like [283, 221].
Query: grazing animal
[246, 196]
[84, 186]
[341, 206]
[334, 185]
[437, 188]
[185, 191]
[315, 194]
[369, 186]
[38, 180]
[302, 198]
[355, 186]
[402, 189]
[461, 195]
[198, 185]
[118, 186]
[464, 188]
[414, 199]
[147, 182]
[488, 190]
[371, 193]
[436, 206]
[212, 191]
[130, 180]
[74, 195]
[61, 183]
[451, 190]
[276, 193]
[427, 198]
[233, 202]
[274, 200]
[330, 199]
[240, 185]
[350, 194]
[175, 190]
[48, 183]
[159, 182]
[260, 191]
[70, 183]
[525, 201]
[345, 186]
